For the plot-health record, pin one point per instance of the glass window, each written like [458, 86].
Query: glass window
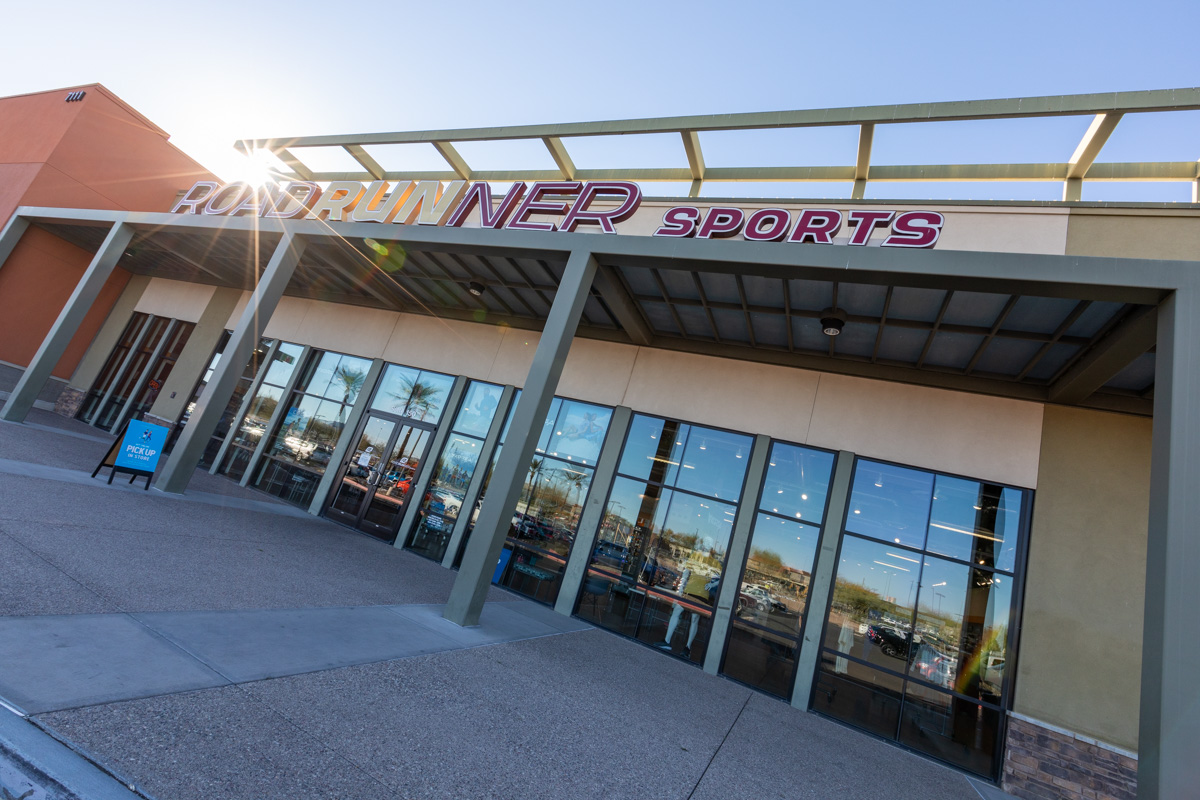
[976, 522]
[660, 553]
[797, 482]
[283, 364]
[953, 729]
[575, 431]
[552, 498]
[873, 598]
[890, 503]
[849, 689]
[480, 402]
[409, 392]
[302, 446]
[443, 501]
[936, 628]
[962, 622]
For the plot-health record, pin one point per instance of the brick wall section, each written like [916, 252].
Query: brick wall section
[1044, 764]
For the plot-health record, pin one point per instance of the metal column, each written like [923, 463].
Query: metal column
[182, 462]
[69, 319]
[739, 542]
[475, 577]
[593, 513]
[819, 588]
[475, 487]
[11, 234]
[1169, 734]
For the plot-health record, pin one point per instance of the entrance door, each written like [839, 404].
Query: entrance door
[376, 480]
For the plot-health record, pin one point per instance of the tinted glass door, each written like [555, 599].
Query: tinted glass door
[376, 479]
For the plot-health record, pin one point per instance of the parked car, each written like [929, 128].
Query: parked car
[611, 554]
[891, 641]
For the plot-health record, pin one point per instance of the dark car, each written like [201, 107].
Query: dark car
[891, 641]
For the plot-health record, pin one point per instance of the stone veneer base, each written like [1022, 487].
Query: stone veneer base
[68, 402]
[1046, 763]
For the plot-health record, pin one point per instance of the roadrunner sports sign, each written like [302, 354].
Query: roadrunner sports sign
[570, 206]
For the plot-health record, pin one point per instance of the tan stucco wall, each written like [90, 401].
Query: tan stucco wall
[1133, 233]
[1081, 644]
[175, 299]
[981, 437]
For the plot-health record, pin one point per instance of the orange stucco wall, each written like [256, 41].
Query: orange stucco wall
[95, 153]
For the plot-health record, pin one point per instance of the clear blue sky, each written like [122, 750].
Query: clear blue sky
[213, 72]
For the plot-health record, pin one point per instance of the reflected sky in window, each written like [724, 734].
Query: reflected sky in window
[975, 522]
[797, 482]
[890, 503]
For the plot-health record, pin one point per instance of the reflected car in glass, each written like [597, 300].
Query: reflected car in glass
[891, 641]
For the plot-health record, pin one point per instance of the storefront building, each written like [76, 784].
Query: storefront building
[923, 468]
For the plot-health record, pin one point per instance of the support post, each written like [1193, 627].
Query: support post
[102, 346]
[1169, 732]
[278, 415]
[177, 472]
[593, 512]
[739, 543]
[196, 356]
[345, 442]
[475, 577]
[819, 588]
[475, 486]
[69, 319]
[425, 470]
[11, 234]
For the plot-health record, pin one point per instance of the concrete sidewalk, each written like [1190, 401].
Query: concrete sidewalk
[220, 649]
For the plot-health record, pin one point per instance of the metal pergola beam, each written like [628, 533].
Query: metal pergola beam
[1187, 99]
[1106, 110]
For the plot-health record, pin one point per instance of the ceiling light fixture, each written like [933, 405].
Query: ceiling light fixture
[832, 321]
[476, 288]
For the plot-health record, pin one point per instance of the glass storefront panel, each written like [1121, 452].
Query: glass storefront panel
[937, 628]
[762, 659]
[480, 402]
[873, 599]
[574, 431]
[112, 366]
[773, 593]
[962, 628]
[656, 569]
[254, 424]
[409, 392]
[774, 588]
[854, 692]
[443, 501]
[797, 482]
[890, 503]
[959, 731]
[316, 414]
[976, 522]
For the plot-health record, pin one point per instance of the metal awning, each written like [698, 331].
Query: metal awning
[1027, 341]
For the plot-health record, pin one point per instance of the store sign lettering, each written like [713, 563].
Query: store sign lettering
[551, 206]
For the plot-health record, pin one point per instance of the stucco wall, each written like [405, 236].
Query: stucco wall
[1081, 644]
[981, 437]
